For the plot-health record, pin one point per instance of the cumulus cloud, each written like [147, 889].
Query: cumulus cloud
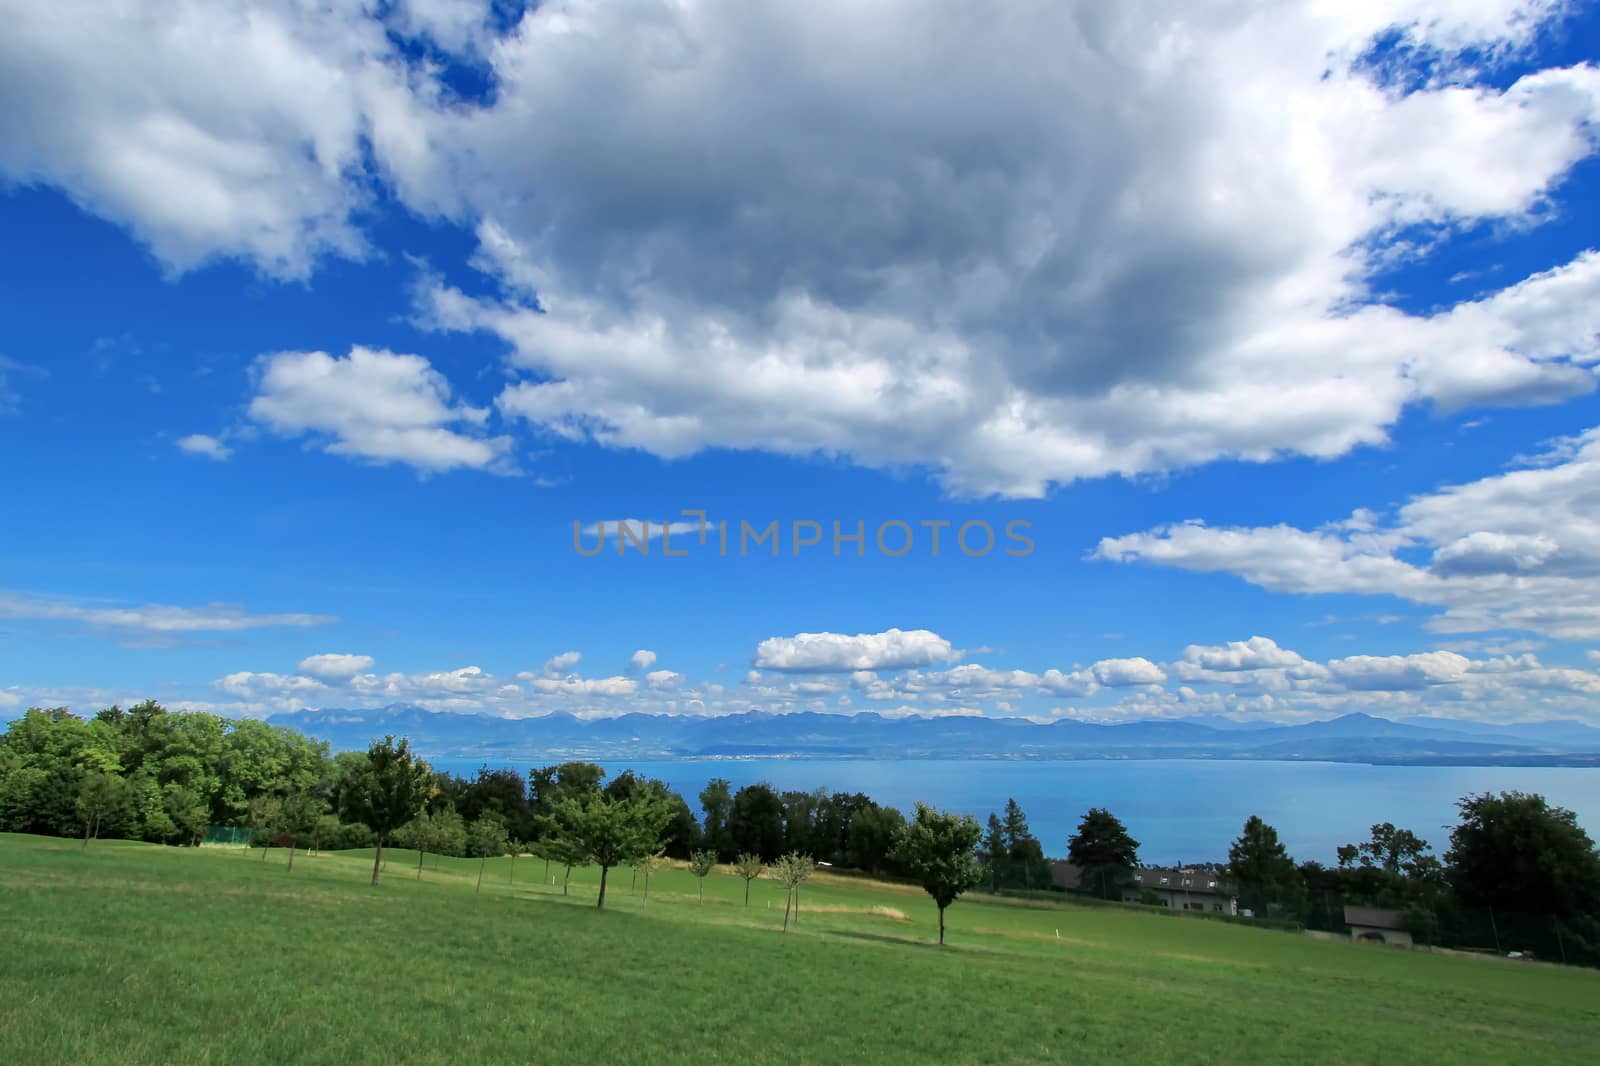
[776, 246]
[642, 659]
[375, 405]
[996, 276]
[1517, 550]
[210, 447]
[560, 664]
[208, 129]
[335, 667]
[893, 649]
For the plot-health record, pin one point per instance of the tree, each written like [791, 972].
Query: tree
[386, 793]
[1104, 852]
[298, 815]
[609, 832]
[749, 867]
[647, 864]
[792, 870]
[995, 858]
[1515, 852]
[874, 831]
[755, 822]
[99, 794]
[716, 800]
[937, 848]
[487, 837]
[1024, 853]
[702, 863]
[1260, 865]
[1396, 852]
[565, 853]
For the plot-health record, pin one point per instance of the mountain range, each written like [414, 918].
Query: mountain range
[1356, 737]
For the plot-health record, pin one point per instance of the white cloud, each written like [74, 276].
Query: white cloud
[207, 129]
[662, 678]
[150, 619]
[375, 405]
[335, 667]
[892, 649]
[560, 664]
[995, 276]
[1518, 550]
[1115, 673]
[642, 659]
[775, 246]
[210, 447]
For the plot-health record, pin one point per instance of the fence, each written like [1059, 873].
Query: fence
[230, 836]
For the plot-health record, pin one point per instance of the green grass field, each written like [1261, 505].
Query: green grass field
[139, 953]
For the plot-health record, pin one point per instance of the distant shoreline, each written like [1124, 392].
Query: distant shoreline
[1568, 761]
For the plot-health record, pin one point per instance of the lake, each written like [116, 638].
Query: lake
[1180, 810]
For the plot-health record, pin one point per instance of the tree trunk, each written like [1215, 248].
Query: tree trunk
[420, 856]
[941, 927]
[796, 904]
[264, 849]
[566, 879]
[513, 866]
[291, 855]
[377, 861]
[646, 902]
[547, 869]
[702, 890]
[787, 900]
[602, 901]
[747, 892]
[481, 862]
[88, 824]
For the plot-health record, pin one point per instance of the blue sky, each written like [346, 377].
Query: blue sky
[323, 328]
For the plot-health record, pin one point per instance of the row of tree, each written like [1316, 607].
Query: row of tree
[146, 773]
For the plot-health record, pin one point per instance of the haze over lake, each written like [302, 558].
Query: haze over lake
[1179, 810]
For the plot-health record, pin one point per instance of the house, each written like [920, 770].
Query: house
[1377, 925]
[1194, 888]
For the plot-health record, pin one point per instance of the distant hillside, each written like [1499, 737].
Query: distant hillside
[1351, 738]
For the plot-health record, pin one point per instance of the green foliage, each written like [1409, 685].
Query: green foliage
[749, 866]
[1104, 852]
[610, 832]
[1261, 867]
[792, 870]
[716, 800]
[702, 863]
[1516, 852]
[99, 793]
[385, 792]
[937, 849]
[755, 822]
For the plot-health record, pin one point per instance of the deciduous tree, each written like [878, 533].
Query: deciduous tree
[1516, 852]
[487, 838]
[939, 850]
[610, 832]
[792, 870]
[702, 863]
[750, 867]
[386, 793]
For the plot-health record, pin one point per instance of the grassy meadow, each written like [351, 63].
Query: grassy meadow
[137, 953]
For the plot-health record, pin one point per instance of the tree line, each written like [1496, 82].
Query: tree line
[148, 774]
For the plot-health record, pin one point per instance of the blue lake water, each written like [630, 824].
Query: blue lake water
[1179, 810]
